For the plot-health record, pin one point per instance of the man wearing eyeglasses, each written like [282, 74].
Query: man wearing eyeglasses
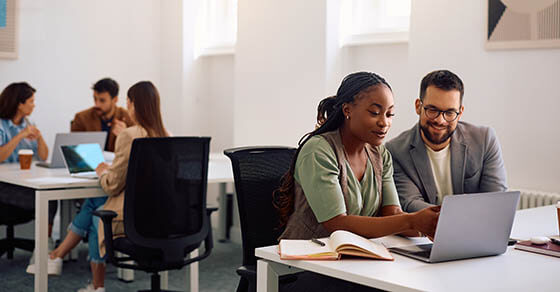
[442, 155]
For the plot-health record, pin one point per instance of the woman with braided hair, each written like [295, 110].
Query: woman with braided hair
[341, 177]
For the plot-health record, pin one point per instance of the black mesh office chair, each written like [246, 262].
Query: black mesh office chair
[165, 214]
[257, 172]
[11, 216]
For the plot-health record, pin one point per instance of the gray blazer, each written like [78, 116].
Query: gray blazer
[476, 165]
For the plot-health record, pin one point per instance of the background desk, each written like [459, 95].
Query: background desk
[56, 184]
[49, 184]
[220, 172]
[513, 271]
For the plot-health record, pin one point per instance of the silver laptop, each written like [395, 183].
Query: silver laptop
[72, 139]
[81, 160]
[469, 226]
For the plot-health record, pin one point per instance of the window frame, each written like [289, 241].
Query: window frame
[207, 24]
[390, 35]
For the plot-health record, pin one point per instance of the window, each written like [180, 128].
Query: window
[216, 27]
[374, 21]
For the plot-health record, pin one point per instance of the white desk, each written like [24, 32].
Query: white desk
[49, 184]
[56, 184]
[220, 172]
[513, 271]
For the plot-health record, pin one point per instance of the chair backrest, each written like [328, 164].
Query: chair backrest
[257, 172]
[165, 196]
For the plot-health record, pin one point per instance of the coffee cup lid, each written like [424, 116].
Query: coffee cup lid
[25, 152]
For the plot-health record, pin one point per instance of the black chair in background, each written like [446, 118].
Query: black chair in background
[165, 214]
[11, 216]
[257, 172]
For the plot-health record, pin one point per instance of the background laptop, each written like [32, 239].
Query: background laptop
[71, 139]
[81, 160]
[472, 225]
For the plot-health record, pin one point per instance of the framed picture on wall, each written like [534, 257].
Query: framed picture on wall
[518, 24]
[8, 29]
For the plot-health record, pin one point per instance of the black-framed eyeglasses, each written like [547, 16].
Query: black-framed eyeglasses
[433, 113]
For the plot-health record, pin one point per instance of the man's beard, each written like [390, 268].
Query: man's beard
[433, 139]
[100, 112]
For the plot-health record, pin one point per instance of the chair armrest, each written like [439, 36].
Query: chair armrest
[209, 210]
[107, 218]
[208, 241]
[105, 214]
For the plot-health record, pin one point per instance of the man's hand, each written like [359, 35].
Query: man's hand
[117, 126]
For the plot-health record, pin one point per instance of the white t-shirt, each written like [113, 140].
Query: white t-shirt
[441, 168]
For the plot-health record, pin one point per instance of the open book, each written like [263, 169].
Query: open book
[340, 242]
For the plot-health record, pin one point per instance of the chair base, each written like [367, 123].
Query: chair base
[158, 290]
[8, 245]
[156, 286]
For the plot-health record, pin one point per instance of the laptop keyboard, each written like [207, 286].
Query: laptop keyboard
[425, 251]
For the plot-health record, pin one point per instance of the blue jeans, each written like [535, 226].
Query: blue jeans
[86, 224]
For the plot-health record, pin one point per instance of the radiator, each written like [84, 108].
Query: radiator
[533, 198]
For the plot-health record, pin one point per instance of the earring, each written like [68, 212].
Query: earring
[347, 117]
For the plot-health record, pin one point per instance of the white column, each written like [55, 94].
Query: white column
[280, 70]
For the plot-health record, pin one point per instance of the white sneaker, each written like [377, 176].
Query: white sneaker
[89, 288]
[50, 247]
[54, 268]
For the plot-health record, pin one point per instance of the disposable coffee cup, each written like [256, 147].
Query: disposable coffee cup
[558, 215]
[25, 157]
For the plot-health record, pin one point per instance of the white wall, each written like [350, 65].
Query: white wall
[188, 84]
[286, 61]
[171, 41]
[218, 114]
[279, 70]
[66, 46]
[515, 92]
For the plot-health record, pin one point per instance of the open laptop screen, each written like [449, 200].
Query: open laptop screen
[82, 157]
[74, 138]
[469, 225]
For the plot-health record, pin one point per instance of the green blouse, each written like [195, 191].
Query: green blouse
[317, 172]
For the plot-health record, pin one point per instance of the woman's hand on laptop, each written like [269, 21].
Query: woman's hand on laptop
[426, 220]
[101, 168]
